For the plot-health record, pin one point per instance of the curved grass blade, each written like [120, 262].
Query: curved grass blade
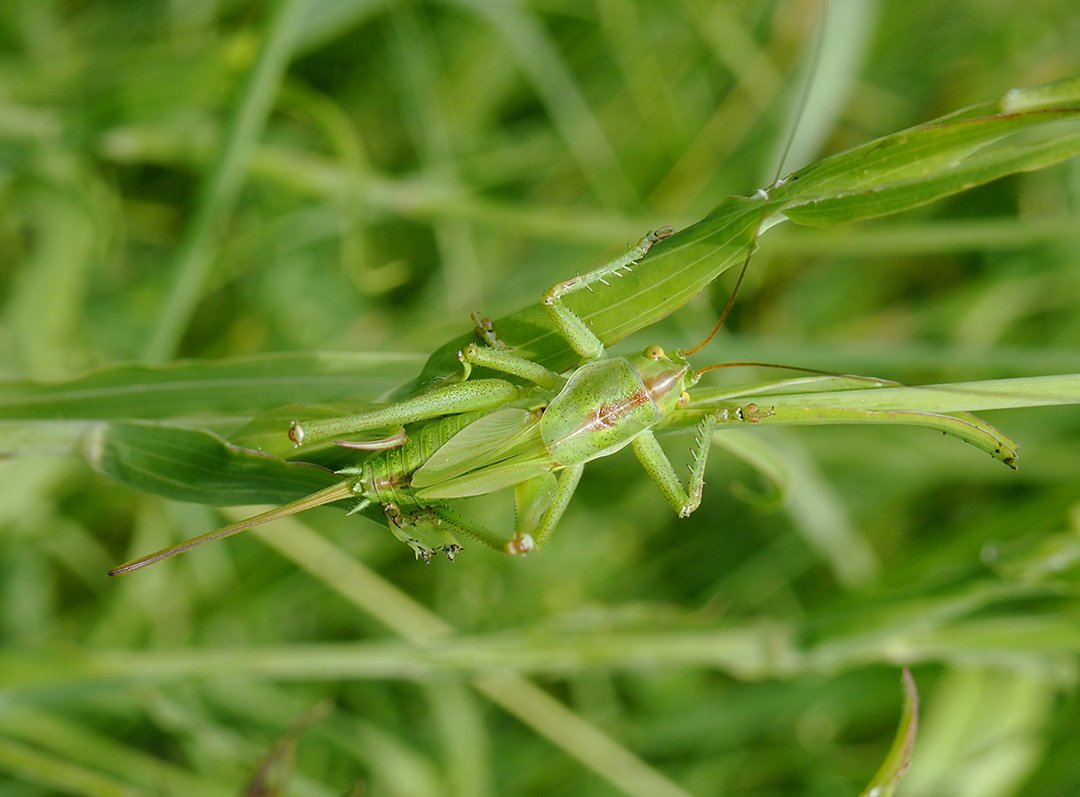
[886, 780]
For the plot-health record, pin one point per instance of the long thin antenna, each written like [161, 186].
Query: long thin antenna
[334, 492]
[815, 60]
[799, 368]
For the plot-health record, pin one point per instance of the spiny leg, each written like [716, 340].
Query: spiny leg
[479, 394]
[468, 528]
[524, 541]
[658, 466]
[532, 498]
[508, 363]
[430, 530]
[582, 339]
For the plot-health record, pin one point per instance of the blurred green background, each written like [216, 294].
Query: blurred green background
[418, 161]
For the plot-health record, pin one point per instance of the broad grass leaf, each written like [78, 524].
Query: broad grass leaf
[675, 271]
[196, 465]
[47, 417]
[1027, 130]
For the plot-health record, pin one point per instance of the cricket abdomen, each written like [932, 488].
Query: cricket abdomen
[385, 477]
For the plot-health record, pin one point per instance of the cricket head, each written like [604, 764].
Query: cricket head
[666, 377]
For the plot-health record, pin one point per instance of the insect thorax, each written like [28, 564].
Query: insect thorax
[603, 406]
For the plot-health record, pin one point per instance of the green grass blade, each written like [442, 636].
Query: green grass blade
[906, 170]
[195, 465]
[884, 783]
[417, 155]
[674, 271]
[59, 772]
[990, 394]
[235, 386]
[1027, 130]
[945, 408]
[51, 416]
[222, 183]
[51, 733]
[541, 60]
[791, 411]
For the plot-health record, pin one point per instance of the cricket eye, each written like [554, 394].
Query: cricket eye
[684, 399]
[654, 353]
[296, 434]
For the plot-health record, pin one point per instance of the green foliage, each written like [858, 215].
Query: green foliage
[216, 182]
[892, 771]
